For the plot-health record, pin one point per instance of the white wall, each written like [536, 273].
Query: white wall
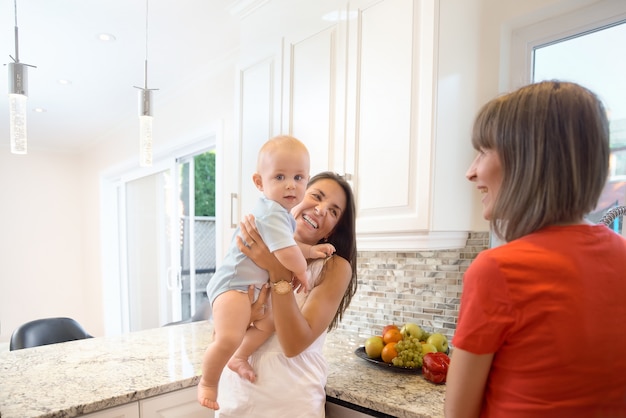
[41, 249]
[474, 57]
[184, 119]
[50, 254]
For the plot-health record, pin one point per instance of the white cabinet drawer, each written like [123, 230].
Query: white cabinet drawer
[179, 404]
[130, 410]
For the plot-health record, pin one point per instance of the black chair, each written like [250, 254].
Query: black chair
[46, 331]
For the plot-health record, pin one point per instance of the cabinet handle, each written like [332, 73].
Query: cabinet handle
[233, 197]
[347, 176]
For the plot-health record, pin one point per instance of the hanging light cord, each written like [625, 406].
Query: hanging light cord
[146, 63]
[145, 67]
[17, 50]
[17, 53]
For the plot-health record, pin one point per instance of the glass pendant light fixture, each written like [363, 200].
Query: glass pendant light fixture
[145, 112]
[145, 127]
[18, 83]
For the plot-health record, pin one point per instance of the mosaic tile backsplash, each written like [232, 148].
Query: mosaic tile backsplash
[399, 287]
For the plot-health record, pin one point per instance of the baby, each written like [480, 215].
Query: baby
[282, 175]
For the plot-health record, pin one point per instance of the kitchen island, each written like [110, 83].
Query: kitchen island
[80, 377]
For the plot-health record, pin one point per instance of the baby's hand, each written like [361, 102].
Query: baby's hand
[302, 284]
[321, 251]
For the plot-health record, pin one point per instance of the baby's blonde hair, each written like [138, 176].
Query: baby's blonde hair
[284, 142]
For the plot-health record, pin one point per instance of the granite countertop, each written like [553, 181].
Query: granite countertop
[79, 377]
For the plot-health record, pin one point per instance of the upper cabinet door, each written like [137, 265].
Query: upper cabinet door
[258, 113]
[390, 112]
[360, 91]
[313, 92]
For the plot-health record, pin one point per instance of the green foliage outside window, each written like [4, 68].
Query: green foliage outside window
[204, 184]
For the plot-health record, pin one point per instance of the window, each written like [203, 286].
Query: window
[592, 60]
[585, 47]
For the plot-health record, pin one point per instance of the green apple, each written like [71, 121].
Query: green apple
[374, 346]
[439, 341]
[428, 348]
[411, 330]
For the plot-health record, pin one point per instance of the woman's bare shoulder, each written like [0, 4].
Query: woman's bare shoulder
[337, 266]
[337, 260]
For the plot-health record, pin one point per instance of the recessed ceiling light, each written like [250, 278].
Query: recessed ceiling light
[39, 110]
[339, 15]
[64, 82]
[106, 37]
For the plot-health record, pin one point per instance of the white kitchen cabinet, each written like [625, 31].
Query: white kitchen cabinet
[179, 404]
[130, 410]
[257, 112]
[367, 85]
[360, 92]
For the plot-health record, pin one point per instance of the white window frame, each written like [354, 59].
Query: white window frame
[546, 30]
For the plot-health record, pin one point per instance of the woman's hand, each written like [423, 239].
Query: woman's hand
[258, 252]
[258, 307]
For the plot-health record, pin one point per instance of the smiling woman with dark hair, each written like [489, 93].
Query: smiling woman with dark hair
[290, 367]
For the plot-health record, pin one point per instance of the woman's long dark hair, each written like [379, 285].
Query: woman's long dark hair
[343, 238]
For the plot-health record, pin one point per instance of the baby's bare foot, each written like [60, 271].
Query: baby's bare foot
[242, 368]
[207, 396]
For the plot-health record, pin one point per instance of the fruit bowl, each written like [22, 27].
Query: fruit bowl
[360, 353]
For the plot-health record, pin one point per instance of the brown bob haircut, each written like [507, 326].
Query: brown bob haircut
[552, 139]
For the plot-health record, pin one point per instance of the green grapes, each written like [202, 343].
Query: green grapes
[409, 353]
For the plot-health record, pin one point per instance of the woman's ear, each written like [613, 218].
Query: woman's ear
[258, 181]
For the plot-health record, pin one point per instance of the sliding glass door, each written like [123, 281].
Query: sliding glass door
[167, 241]
[151, 283]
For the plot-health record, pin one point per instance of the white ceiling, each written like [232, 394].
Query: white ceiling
[59, 37]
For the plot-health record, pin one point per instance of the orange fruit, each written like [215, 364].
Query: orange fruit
[388, 327]
[392, 336]
[389, 352]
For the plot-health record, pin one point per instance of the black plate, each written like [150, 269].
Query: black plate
[360, 352]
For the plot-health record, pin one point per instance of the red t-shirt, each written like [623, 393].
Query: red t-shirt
[552, 307]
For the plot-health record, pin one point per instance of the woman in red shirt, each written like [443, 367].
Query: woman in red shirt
[540, 327]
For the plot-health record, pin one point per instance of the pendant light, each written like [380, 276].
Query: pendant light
[145, 112]
[18, 83]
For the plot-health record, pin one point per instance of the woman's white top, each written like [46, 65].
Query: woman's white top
[285, 387]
